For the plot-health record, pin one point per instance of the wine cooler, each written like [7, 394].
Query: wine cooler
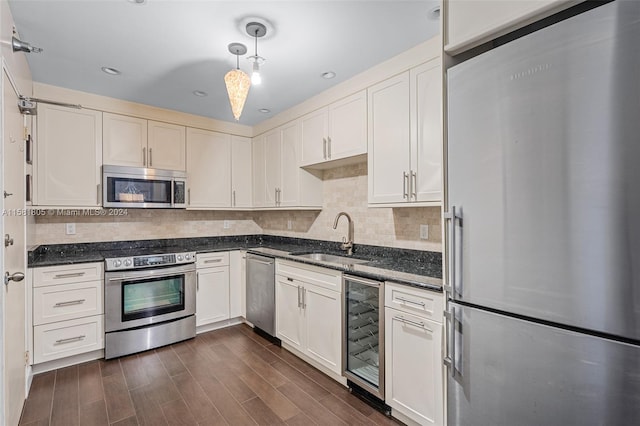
[363, 334]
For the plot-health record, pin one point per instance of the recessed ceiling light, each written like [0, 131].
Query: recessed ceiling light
[434, 13]
[264, 110]
[200, 93]
[137, 1]
[111, 71]
[328, 75]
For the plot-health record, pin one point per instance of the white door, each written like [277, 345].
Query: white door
[241, 176]
[212, 298]
[388, 135]
[289, 312]
[348, 127]
[124, 140]
[290, 177]
[322, 313]
[14, 259]
[315, 128]
[208, 168]
[426, 132]
[273, 172]
[166, 145]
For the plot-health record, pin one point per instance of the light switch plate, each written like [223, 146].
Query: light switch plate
[226, 224]
[424, 232]
[289, 224]
[70, 228]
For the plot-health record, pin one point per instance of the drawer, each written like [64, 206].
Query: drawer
[210, 260]
[424, 303]
[67, 301]
[66, 338]
[67, 274]
[323, 277]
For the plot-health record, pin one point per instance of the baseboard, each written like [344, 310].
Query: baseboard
[337, 377]
[68, 361]
[218, 325]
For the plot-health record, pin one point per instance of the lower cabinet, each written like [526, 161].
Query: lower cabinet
[67, 309]
[414, 371]
[212, 296]
[309, 312]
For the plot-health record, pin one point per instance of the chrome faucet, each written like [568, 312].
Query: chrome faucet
[346, 245]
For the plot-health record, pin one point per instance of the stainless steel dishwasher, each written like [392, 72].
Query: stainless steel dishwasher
[261, 293]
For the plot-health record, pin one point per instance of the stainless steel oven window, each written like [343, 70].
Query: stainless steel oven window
[149, 297]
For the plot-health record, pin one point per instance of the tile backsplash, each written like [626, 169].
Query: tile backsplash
[344, 189]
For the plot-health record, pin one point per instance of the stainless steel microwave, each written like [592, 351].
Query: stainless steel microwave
[138, 187]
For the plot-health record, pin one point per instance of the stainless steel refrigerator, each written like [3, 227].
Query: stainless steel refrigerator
[543, 228]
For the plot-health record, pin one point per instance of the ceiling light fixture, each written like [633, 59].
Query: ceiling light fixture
[256, 29]
[264, 110]
[434, 13]
[328, 75]
[237, 82]
[200, 93]
[111, 71]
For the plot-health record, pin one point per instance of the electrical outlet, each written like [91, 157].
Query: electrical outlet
[226, 224]
[70, 228]
[289, 224]
[424, 232]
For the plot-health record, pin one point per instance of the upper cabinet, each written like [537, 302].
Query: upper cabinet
[130, 141]
[469, 23]
[336, 132]
[67, 170]
[208, 169]
[405, 138]
[278, 179]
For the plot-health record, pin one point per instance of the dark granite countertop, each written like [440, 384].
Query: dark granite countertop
[411, 267]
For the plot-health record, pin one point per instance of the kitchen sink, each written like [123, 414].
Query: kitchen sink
[323, 257]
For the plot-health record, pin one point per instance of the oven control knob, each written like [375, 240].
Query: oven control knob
[187, 257]
[117, 263]
[127, 262]
[179, 258]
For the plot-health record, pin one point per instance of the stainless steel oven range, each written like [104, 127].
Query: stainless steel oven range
[150, 301]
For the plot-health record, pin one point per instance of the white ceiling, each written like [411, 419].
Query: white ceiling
[166, 49]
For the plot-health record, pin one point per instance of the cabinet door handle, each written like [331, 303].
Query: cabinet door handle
[414, 184]
[70, 340]
[29, 189]
[402, 299]
[324, 148]
[189, 196]
[234, 198]
[144, 156]
[304, 298]
[329, 147]
[99, 194]
[150, 159]
[69, 303]
[408, 321]
[69, 275]
[197, 281]
[299, 297]
[405, 181]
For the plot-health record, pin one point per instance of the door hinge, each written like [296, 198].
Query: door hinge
[26, 358]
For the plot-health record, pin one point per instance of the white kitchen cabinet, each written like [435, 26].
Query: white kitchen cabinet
[414, 372]
[278, 179]
[308, 313]
[136, 142]
[241, 173]
[470, 23]
[212, 295]
[237, 284]
[335, 132]
[124, 140]
[259, 170]
[166, 144]
[208, 169]
[68, 157]
[68, 311]
[404, 138]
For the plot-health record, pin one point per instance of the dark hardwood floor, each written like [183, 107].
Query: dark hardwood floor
[224, 377]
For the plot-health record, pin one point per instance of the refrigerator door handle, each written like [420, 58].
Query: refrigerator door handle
[449, 359]
[451, 217]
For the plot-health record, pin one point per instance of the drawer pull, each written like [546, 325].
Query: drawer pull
[406, 321]
[402, 299]
[70, 340]
[69, 303]
[70, 275]
[213, 261]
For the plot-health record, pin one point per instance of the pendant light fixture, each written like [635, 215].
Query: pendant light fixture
[237, 82]
[256, 30]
